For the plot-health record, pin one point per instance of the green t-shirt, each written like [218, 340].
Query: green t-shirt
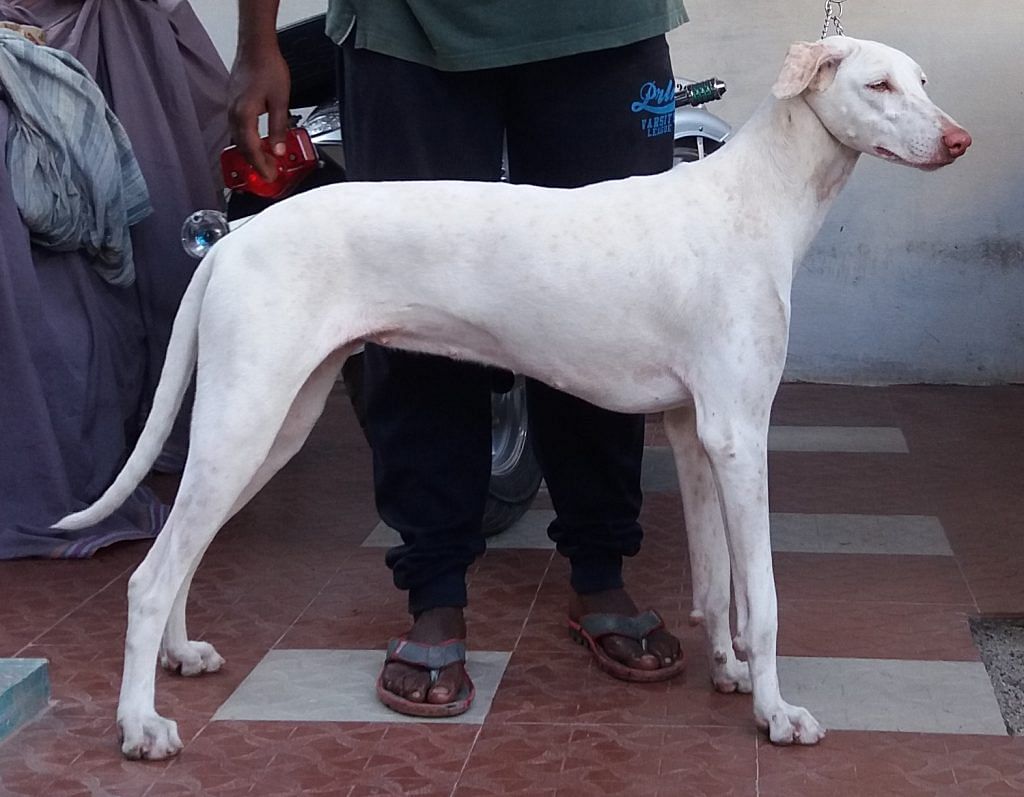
[459, 35]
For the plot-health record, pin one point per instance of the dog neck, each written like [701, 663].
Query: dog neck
[790, 153]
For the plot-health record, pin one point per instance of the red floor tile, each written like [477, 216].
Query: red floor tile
[610, 759]
[289, 572]
[856, 763]
[870, 578]
[876, 630]
[833, 405]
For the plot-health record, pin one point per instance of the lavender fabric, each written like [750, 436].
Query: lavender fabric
[79, 359]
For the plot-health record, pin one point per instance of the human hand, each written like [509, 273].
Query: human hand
[260, 83]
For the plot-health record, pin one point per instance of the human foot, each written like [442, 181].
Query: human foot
[434, 644]
[634, 640]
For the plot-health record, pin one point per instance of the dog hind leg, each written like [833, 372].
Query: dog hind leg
[709, 550]
[232, 438]
[178, 653]
[192, 657]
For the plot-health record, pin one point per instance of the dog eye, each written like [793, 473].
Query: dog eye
[880, 85]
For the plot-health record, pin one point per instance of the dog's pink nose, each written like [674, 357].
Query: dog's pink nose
[957, 140]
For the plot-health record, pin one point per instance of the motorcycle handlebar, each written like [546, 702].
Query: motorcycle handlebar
[699, 93]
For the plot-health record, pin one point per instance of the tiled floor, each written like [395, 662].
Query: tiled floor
[896, 516]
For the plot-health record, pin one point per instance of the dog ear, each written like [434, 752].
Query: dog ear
[808, 65]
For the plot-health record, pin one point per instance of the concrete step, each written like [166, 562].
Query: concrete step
[24, 692]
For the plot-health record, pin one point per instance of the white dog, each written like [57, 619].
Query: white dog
[662, 293]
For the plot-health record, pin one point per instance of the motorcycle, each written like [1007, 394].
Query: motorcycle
[315, 65]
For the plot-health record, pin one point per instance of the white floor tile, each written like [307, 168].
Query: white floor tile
[340, 686]
[892, 695]
[844, 694]
[838, 439]
[658, 473]
[795, 533]
[866, 534]
[659, 467]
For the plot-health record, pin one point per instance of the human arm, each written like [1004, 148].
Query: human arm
[260, 83]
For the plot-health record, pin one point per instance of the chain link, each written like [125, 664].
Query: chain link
[834, 17]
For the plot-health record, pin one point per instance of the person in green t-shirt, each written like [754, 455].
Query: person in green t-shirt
[575, 92]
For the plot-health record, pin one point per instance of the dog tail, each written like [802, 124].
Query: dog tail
[179, 363]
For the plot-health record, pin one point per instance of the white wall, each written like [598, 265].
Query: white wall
[221, 19]
[915, 277]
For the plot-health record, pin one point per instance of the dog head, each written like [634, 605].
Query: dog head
[872, 99]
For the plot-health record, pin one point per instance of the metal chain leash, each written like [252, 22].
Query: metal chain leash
[834, 17]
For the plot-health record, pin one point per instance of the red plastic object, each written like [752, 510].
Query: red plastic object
[298, 160]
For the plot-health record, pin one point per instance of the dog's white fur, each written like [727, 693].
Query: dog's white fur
[662, 293]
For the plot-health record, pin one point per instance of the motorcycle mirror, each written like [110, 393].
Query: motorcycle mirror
[202, 230]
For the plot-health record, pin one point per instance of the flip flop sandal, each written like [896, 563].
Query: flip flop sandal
[432, 658]
[592, 628]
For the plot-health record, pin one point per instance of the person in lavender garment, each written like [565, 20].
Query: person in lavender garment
[79, 357]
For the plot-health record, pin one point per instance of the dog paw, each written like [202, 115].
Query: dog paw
[729, 675]
[791, 725]
[192, 659]
[149, 737]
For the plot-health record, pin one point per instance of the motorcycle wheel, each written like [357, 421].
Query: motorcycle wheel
[685, 150]
[515, 472]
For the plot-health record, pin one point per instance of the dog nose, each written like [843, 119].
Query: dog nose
[957, 140]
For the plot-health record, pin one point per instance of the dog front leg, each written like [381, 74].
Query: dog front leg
[709, 550]
[737, 450]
